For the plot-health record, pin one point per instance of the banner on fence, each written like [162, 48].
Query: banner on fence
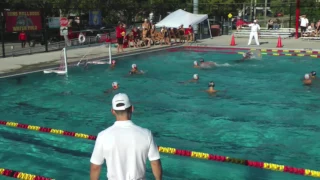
[23, 21]
[95, 18]
[54, 22]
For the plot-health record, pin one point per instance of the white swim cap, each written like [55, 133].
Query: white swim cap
[195, 63]
[195, 76]
[134, 66]
[114, 84]
[113, 61]
[306, 76]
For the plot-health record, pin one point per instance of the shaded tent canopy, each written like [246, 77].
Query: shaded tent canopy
[181, 17]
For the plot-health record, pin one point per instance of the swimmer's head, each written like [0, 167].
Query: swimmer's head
[313, 74]
[211, 84]
[113, 62]
[306, 76]
[201, 60]
[195, 77]
[134, 66]
[195, 63]
[115, 85]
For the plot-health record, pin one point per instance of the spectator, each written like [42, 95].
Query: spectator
[318, 28]
[23, 39]
[277, 24]
[270, 24]
[303, 23]
[120, 35]
[125, 146]
[190, 33]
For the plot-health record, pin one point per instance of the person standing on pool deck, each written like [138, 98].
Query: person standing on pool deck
[125, 147]
[119, 35]
[254, 32]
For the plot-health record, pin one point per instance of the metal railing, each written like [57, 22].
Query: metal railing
[55, 46]
[13, 51]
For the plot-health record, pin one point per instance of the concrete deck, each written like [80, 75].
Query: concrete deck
[27, 63]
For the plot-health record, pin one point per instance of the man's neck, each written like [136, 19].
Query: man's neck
[122, 118]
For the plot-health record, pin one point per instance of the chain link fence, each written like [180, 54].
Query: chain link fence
[133, 13]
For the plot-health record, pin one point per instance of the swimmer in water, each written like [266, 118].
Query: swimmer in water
[135, 70]
[211, 89]
[195, 64]
[193, 80]
[203, 64]
[313, 74]
[246, 56]
[307, 80]
[115, 86]
[113, 64]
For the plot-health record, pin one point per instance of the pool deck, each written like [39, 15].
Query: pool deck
[35, 62]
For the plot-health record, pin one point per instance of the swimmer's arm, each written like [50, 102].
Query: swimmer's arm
[107, 91]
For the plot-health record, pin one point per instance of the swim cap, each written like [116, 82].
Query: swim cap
[313, 73]
[113, 62]
[195, 76]
[306, 76]
[114, 84]
[134, 66]
[201, 60]
[211, 84]
[195, 63]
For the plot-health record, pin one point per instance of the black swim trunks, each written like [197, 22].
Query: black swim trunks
[120, 40]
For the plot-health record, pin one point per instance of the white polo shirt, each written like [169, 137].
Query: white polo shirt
[304, 22]
[125, 147]
[254, 27]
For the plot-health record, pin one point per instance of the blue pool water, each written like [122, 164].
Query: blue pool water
[262, 113]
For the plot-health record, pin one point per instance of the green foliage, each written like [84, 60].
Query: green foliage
[128, 10]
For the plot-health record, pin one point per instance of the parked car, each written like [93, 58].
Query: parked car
[278, 14]
[243, 22]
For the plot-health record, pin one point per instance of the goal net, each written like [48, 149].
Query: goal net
[89, 50]
[63, 68]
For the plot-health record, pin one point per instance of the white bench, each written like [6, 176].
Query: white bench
[310, 38]
[241, 34]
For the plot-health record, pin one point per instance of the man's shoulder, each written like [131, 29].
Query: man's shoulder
[142, 129]
[106, 131]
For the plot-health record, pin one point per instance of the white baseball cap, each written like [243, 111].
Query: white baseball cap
[255, 20]
[120, 102]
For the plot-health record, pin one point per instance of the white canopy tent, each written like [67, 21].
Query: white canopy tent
[181, 17]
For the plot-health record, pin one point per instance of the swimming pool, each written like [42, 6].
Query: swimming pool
[263, 113]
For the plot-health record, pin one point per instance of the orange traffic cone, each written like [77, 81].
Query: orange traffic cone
[279, 44]
[233, 41]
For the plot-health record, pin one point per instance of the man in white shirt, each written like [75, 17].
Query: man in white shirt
[125, 147]
[303, 23]
[254, 32]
